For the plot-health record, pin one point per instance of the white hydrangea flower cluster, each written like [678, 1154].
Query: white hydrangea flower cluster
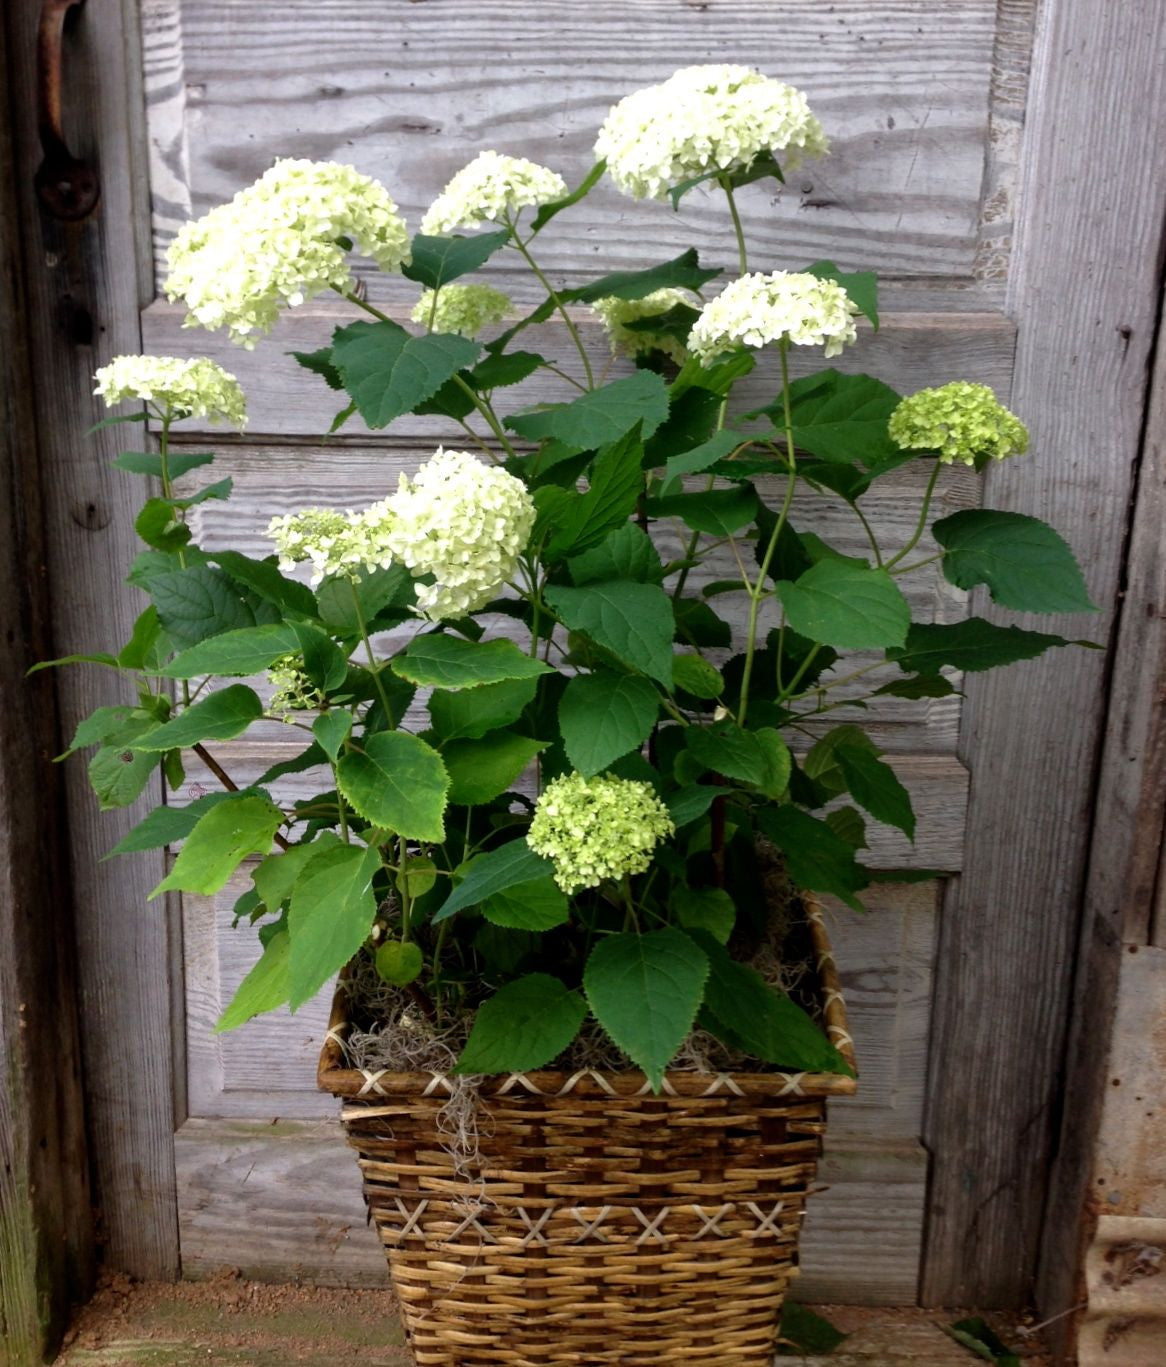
[293, 691]
[333, 542]
[705, 119]
[280, 241]
[960, 421]
[463, 522]
[465, 309]
[490, 187]
[615, 315]
[194, 388]
[597, 828]
[756, 310]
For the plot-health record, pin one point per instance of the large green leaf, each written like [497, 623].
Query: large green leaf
[276, 876]
[263, 989]
[682, 272]
[765, 1021]
[178, 463]
[971, 645]
[633, 621]
[817, 858]
[166, 825]
[874, 785]
[221, 716]
[245, 651]
[438, 260]
[469, 713]
[1023, 561]
[717, 447]
[718, 512]
[614, 486]
[707, 909]
[523, 1026]
[843, 420]
[539, 904]
[223, 837]
[481, 770]
[389, 372]
[725, 748]
[625, 553]
[603, 716]
[119, 772]
[198, 602]
[375, 591]
[601, 416]
[263, 578]
[398, 782]
[331, 913]
[803, 1333]
[494, 872]
[861, 286]
[556, 206]
[449, 662]
[645, 990]
[852, 607]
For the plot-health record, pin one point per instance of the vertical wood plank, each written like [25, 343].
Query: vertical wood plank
[1084, 290]
[1125, 883]
[83, 284]
[46, 1229]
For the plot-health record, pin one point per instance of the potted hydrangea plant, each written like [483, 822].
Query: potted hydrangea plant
[582, 696]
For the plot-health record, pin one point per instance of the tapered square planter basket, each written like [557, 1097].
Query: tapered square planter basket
[604, 1224]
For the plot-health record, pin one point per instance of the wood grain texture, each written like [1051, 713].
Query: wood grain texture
[410, 93]
[46, 1225]
[910, 351]
[1124, 890]
[282, 1202]
[82, 304]
[1085, 289]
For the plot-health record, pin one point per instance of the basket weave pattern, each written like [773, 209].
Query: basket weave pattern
[605, 1224]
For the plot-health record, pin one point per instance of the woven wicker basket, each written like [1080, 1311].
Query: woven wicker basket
[606, 1225]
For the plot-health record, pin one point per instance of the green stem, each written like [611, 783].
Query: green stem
[756, 594]
[374, 667]
[918, 564]
[340, 805]
[403, 887]
[488, 413]
[870, 536]
[742, 254]
[799, 674]
[922, 523]
[552, 294]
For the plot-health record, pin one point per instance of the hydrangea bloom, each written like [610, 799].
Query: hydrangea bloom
[293, 691]
[197, 388]
[461, 521]
[597, 828]
[466, 309]
[960, 421]
[280, 241]
[705, 119]
[615, 315]
[758, 309]
[491, 186]
[333, 542]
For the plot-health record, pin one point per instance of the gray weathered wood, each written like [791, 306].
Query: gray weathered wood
[82, 302]
[1125, 875]
[909, 351]
[411, 92]
[46, 1225]
[282, 1202]
[1085, 291]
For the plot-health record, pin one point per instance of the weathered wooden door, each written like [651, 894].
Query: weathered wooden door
[1019, 256]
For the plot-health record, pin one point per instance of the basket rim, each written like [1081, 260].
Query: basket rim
[335, 1077]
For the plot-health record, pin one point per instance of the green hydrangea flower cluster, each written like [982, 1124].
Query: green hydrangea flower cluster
[593, 829]
[490, 187]
[292, 691]
[615, 315]
[757, 310]
[961, 421]
[194, 388]
[464, 309]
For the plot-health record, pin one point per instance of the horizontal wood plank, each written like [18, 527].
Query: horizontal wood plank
[910, 351]
[282, 1202]
[411, 93]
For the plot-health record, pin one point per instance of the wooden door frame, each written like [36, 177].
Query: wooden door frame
[1082, 289]
[83, 285]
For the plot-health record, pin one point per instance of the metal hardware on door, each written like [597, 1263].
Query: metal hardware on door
[68, 188]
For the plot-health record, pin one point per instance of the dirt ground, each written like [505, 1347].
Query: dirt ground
[229, 1320]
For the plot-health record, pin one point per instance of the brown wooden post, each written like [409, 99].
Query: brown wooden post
[83, 285]
[1084, 291]
[46, 1225]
